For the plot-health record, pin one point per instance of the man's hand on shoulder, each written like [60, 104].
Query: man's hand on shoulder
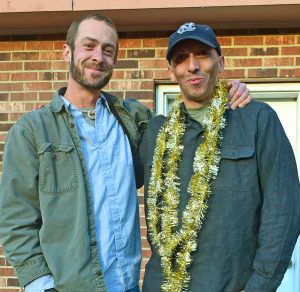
[239, 95]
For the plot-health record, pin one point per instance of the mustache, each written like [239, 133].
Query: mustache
[96, 66]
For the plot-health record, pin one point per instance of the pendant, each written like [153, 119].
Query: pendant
[91, 114]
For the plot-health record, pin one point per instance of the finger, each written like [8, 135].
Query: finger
[241, 99]
[245, 101]
[237, 92]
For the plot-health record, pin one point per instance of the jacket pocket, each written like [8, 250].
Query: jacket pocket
[57, 169]
[236, 169]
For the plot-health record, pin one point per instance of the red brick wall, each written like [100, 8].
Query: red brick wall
[32, 67]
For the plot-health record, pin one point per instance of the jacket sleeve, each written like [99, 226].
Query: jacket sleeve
[280, 213]
[139, 112]
[20, 217]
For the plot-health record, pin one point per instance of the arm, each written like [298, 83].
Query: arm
[279, 216]
[20, 217]
[239, 94]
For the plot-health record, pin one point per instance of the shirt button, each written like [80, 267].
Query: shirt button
[72, 125]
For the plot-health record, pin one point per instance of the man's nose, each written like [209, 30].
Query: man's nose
[193, 63]
[97, 55]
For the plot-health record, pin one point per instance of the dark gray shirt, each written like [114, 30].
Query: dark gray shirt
[253, 217]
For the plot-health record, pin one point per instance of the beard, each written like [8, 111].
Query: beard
[91, 83]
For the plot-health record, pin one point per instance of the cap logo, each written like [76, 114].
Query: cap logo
[186, 27]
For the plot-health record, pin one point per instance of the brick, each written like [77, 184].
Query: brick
[121, 54]
[117, 74]
[5, 127]
[45, 96]
[130, 43]
[230, 74]
[124, 85]
[274, 62]
[25, 56]
[52, 55]
[160, 53]
[11, 66]
[147, 85]
[146, 253]
[6, 271]
[13, 117]
[119, 94]
[264, 51]
[2, 260]
[2, 283]
[153, 64]
[139, 74]
[3, 96]
[225, 41]
[5, 56]
[289, 73]
[234, 52]
[247, 62]
[126, 64]
[161, 74]
[140, 53]
[12, 46]
[4, 77]
[22, 96]
[24, 76]
[39, 46]
[37, 65]
[297, 61]
[262, 73]
[280, 40]
[155, 42]
[52, 76]
[36, 86]
[15, 107]
[139, 94]
[13, 282]
[58, 45]
[60, 65]
[148, 103]
[290, 50]
[248, 40]
[8, 86]
[3, 117]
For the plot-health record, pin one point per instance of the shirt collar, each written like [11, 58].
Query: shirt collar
[71, 107]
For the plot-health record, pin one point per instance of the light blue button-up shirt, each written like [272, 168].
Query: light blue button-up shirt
[111, 175]
[112, 182]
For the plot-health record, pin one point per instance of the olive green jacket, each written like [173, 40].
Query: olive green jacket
[46, 216]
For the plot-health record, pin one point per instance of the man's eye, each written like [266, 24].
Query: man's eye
[109, 51]
[202, 53]
[88, 46]
[180, 58]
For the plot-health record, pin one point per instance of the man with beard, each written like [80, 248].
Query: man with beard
[221, 187]
[69, 210]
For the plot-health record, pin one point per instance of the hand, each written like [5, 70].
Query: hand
[239, 94]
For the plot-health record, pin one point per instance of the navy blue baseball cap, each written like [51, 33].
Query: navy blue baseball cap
[191, 31]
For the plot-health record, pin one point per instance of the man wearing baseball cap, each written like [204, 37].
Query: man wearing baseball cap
[221, 186]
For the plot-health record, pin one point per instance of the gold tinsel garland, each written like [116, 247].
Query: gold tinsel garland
[175, 247]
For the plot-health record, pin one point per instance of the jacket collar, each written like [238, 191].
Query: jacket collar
[57, 103]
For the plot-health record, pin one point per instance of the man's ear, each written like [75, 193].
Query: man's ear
[171, 73]
[67, 53]
[221, 64]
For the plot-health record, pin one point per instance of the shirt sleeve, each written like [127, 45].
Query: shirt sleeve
[40, 284]
[279, 217]
[20, 216]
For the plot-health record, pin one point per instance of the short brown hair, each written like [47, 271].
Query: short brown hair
[73, 29]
